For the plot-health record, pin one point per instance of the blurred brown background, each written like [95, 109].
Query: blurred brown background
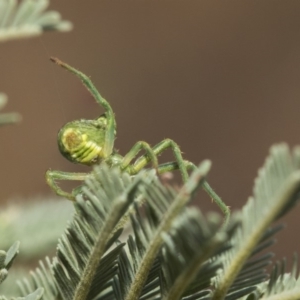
[221, 78]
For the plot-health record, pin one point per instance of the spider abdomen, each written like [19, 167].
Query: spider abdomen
[77, 142]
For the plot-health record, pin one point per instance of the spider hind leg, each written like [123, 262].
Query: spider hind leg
[150, 155]
[157, 150]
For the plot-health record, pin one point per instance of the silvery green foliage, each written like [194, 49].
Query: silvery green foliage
[27, 18]
[281, 285]
[174, 252]
[42, 276]
[106, 199]
[280, 280]
[276, 190]
[6, 260]
[82, 249]
[36, 216]
[9, 287]
[7, 118]
[36, 295]
[197, 238]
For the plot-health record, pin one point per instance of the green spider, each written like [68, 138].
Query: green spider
[90, 142]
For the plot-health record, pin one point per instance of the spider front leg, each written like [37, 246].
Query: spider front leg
[111, 122]
[53, 176]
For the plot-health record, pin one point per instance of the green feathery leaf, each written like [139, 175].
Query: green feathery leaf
[41, 277]
[6, 260]
[84, 268]
[281, 285]
[36, 217]
[36, 295]
[276, 190]
[168, 208]
[188, 257]
[28, 18]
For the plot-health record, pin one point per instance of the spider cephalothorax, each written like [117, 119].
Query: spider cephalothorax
[91, 141]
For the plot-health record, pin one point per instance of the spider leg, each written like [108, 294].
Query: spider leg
[53, 176]
[171, 166]
[183, 166]
[150, 154]
[111, 122]
[157, 150]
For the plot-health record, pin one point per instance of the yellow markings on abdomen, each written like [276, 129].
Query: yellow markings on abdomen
[79, 148]
[72, 139]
